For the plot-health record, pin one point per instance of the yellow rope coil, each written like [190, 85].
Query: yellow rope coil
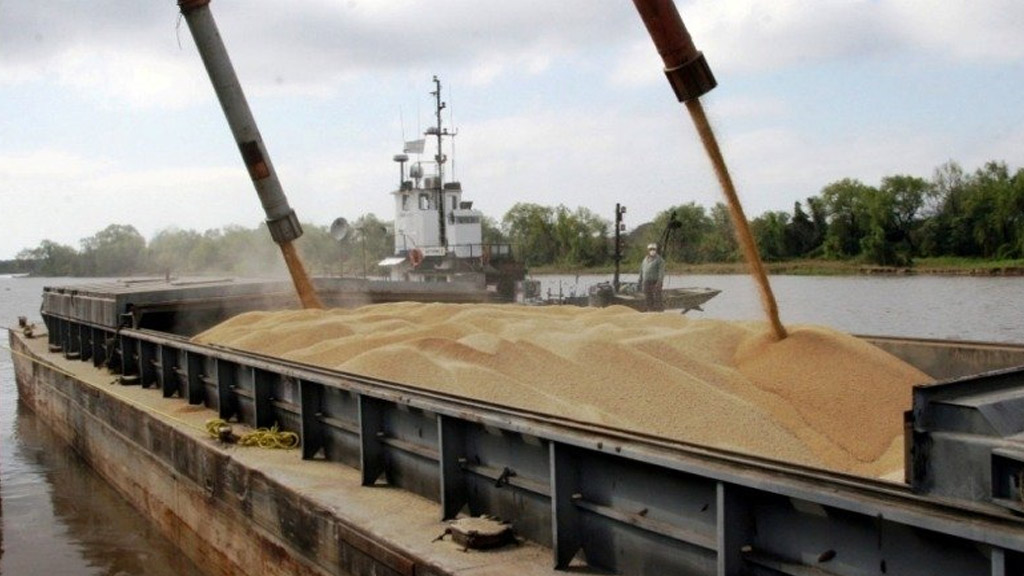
[261, 437]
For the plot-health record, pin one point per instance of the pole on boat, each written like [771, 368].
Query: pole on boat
[690, 77]
[617, 255]
[281, 219]
[440, 159]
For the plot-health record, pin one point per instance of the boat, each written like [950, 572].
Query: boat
[438, 234]
[629, 294]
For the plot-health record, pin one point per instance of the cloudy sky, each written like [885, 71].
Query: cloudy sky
[107, 115]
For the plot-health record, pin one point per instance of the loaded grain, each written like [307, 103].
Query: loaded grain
[818, 397]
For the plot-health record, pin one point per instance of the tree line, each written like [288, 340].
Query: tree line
[954, 213]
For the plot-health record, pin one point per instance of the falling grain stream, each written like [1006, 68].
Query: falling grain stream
[690, 77]
[746, 239]
[303, 285]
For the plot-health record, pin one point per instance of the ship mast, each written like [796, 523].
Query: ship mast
[440, 158]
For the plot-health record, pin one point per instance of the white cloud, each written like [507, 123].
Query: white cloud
[637, 64]
[65, 197]
[976, 31]
[46, 163]
[138, 78]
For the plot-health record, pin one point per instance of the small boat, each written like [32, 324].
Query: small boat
[630, 294]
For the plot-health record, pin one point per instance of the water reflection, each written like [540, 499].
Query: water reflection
[57, 516]
[87, 528]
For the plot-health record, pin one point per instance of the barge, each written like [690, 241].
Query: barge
[384, 470]
[383, 467]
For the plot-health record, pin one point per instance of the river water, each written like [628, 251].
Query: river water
[58, 518]
[983, 309]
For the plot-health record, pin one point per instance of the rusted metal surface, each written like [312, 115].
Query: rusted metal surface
[685, 67]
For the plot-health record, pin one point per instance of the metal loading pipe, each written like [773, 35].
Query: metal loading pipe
[690, 77]
[281, 220]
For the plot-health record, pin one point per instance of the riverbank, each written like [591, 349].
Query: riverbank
[923, 266]
[810, 267]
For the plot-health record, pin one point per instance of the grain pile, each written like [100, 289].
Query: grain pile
[819, 397]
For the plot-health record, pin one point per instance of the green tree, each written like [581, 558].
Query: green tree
[318, 249]
[847, 222]
[581, 237]
[684, 241]
[491, 231]
[819, 216]
[50, 259]
[878, 245]
[891, 212]
[906, 195]
[1013, 210]
[373, 240]
[769, 231]
[249, 252]
[802, 234]
[719, 243]
[530, 228]
[942, 232]
[170, 251]
[996, 208]
[117, 249]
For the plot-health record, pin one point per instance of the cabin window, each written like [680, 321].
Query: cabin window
[405, 202]
[424, 201]
[467, 219]
[452, 203]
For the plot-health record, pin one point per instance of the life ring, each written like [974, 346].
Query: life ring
[415, 257]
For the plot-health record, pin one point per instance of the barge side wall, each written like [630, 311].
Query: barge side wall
[633, 505]
[228, 516]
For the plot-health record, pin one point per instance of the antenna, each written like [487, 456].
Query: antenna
[451, 120]
[439, 132]
[401, 121]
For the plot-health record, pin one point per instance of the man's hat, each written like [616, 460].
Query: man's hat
[652, 246]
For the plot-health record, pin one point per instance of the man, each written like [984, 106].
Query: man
[652, 274]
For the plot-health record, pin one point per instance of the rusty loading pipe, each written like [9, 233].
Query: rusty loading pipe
[690, 77]
[687, 71]
[281, 219]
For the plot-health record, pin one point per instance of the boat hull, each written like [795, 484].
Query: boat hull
[629, 295]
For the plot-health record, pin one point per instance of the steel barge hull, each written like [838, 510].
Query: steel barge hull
[383, 466]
